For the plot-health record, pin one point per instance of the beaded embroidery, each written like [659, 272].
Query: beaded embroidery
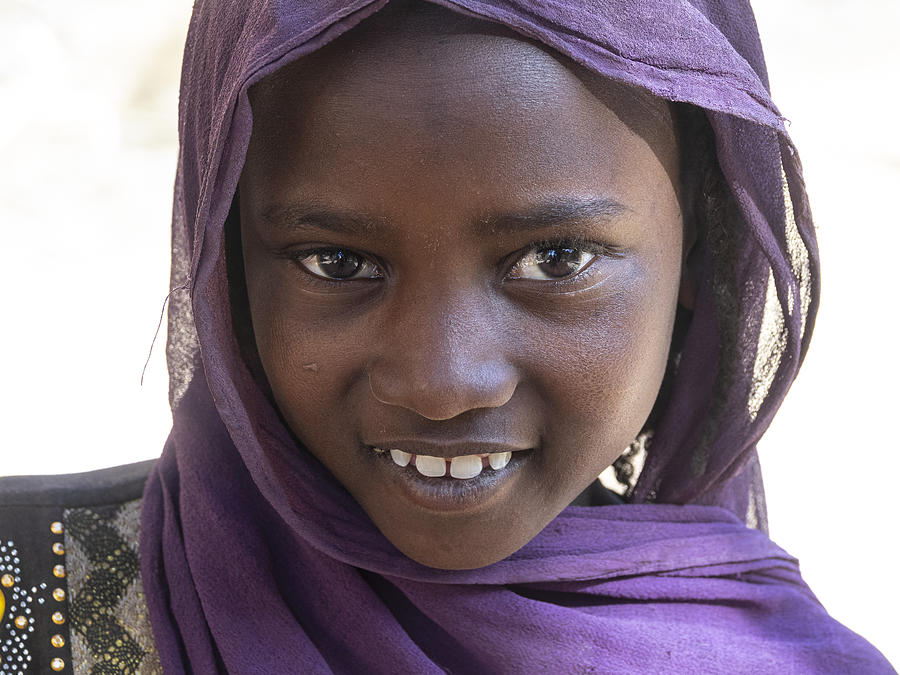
[17, 612]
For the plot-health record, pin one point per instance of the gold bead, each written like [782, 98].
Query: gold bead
[58, 618]
[59, 594]
[58, 641]
[7, 580]
[59, 571]
[21, 622]
[58, 548]
[56, 527]
[57, 664]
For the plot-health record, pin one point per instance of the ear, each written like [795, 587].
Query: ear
[691, 261]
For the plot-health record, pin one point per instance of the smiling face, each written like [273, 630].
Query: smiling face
[459, 258]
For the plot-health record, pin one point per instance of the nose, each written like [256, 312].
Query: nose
[441, 359]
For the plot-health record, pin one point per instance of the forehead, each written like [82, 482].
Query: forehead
[421, 86]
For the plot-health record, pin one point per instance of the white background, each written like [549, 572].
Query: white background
[88, 95]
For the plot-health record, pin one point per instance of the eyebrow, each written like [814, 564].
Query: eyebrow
[552, 213]
[548, 214]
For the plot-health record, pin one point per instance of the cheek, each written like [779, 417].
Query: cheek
[311, 358]
[304, 343]
[601, 364]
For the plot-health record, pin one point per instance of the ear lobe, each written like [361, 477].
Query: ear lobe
[690, 266]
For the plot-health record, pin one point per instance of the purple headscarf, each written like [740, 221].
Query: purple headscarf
[255, 559]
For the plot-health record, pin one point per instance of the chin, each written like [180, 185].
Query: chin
[469, 558]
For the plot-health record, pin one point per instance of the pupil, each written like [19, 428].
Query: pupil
[558, 262]
[339, 264]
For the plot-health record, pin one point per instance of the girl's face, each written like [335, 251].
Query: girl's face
[461, 255]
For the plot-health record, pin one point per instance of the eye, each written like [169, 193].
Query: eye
[338, 264]
[546, 262]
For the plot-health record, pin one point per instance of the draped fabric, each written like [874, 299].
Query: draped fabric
[255, 559]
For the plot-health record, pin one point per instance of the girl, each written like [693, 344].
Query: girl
[434, 268]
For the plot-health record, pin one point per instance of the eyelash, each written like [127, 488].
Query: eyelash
[583, 245]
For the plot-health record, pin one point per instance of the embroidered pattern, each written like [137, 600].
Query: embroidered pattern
[17, 612]
[110, 630]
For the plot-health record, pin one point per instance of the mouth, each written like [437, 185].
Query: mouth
[449, 479]
[461, 467]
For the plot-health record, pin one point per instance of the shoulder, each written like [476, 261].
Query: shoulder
[116, 484]
[71, 598]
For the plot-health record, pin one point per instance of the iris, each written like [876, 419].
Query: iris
[559, 262]
[339, 264]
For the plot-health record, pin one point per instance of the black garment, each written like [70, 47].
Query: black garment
[69, 550]
[72, 599]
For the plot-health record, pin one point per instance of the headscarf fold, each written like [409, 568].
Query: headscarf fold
[255, 559]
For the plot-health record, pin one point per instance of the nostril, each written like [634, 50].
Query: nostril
[443, 393]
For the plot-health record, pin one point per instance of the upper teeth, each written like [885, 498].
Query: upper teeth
[465, 466]
[400, 458]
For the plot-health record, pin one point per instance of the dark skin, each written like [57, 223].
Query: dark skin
[456, 243]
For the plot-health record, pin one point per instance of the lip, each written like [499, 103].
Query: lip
[446, 494]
